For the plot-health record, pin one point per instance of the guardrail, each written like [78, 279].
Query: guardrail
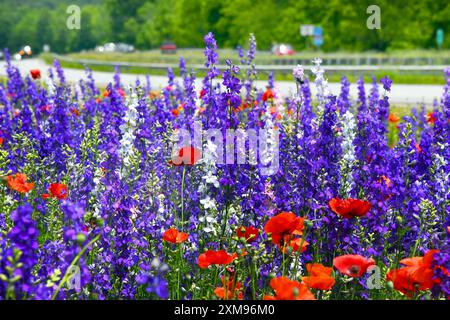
[262, 68]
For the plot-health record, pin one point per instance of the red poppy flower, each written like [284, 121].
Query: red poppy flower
[174, 236]
[393, 118]
[35, 73]
[19, 183]
[45, 108]
[154, 94]
[418, 148]
[297, 244]
[1, 141]
[316, 269]
[175, 112]
[387, 181]
[230, 291]
[202, 93]
[431, 117]
[286, 289]
[75, 112]
[349, 208]
[352, 265]
[186, 156]
[319, 277]
[417, 275]
[268, 94]
[57, 190]
[215, 257]
[248, 233]
[107, 93]
[284, 225]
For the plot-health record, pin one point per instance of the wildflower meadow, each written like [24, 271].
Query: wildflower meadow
[228, 192]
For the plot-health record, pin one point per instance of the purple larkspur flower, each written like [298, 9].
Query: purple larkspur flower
[386, 83]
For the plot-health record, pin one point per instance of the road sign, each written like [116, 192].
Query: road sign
[306, 30]
[318, 31]
[318, 41]
[440, 37]
[318, 36]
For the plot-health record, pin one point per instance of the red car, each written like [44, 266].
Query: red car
[168, 48]
[283, 50]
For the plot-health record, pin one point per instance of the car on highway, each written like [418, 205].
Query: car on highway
[283, 50]
[23, 52]
[115, 47]
[168, 47]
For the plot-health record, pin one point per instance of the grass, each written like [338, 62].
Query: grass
[195, 56]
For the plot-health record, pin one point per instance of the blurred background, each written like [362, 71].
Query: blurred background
[411, 44]
[147, 24]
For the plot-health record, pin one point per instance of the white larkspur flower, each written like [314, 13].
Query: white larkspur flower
[208, 203]
[127, 129]
[348, 150]
[296, 266]
[298, 73]
[321, 84]
[211, 179]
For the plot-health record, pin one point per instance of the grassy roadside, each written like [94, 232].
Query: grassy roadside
[195, 56]
[154, 57]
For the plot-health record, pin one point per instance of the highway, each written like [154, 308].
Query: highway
[400, 93]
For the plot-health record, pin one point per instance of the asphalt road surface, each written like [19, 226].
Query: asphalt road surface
[400, 93]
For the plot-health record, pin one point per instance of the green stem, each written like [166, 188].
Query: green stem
[66, 275]
[182, 198]
[253, 277]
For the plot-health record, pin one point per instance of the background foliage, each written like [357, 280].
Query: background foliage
[406, 24]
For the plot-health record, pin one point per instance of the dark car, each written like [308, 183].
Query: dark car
[168, 47]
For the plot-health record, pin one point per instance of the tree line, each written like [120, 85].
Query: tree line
[405, 24]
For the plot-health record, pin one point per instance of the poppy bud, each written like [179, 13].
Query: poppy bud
[272, 275]
[308, 223]
[93, 296]
[81, 238]
[100, 222]
[242, 240]
[390, 285]
[289, 249]
[399, 219]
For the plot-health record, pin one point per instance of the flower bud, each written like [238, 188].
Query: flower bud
[81, 238]
[289, 249]
[390, 285]
[308, 223]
